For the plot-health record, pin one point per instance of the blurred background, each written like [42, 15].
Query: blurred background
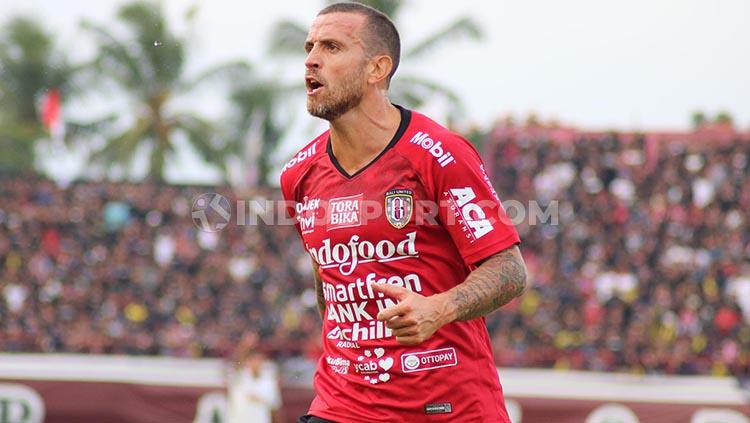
[630, 120]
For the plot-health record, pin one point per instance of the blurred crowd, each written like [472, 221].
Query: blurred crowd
[638, 262]
[116, 268]
[647, 267]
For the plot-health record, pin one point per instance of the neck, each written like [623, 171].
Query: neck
[360, 134]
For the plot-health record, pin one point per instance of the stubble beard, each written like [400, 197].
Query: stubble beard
[341, 100]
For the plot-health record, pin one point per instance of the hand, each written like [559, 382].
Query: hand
[414, 318]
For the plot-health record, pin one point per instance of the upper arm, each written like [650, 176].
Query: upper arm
[469, 208]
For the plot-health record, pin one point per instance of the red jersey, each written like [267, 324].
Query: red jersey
[420, 215]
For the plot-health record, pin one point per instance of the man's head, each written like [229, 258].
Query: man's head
[350, 48]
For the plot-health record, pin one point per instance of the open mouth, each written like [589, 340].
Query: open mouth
[313, 85]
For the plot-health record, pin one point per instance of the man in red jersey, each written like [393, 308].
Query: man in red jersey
[409, 242]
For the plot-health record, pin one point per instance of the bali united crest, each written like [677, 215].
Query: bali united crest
[399, 203]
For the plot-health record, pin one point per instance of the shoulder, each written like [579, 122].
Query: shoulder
[431, 146]
[302, 160]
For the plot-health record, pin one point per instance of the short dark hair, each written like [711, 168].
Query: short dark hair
[379, 27]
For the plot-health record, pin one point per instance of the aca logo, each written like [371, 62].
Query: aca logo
[20, 404]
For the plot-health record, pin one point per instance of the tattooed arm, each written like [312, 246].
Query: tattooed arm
[319, 291]
[490, 286]
[493, 284]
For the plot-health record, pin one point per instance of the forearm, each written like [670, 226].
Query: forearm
[493, 284]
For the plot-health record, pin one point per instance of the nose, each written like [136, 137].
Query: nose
[312, 61]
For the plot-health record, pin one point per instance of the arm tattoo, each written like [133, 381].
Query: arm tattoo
[319, 291]
[493, 284]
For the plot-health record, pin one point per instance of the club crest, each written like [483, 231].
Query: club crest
[399, 204]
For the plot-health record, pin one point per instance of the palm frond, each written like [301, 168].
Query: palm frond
[202, 136]
[287, 38]
[116, 60]
[413, 92]
[464, 27]
[122, 148]
[75, 130]
[233, 71]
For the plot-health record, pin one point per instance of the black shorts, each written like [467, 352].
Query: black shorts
[312, 419]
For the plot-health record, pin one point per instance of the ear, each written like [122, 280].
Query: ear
[380, 67]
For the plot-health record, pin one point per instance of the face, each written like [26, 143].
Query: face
[335, 65]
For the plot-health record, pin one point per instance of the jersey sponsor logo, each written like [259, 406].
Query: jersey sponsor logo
[300, 157]
[347, 256]
[428, 360]
[374, 365]
[489, 184]
[347, 344]
[399, 204]
[472, 216]
[305, 214]
[361, 289]
[344, 300]
[374, 329]
[443, 156]
[338, 365]
[344, 212]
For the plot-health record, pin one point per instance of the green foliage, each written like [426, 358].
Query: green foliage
[29, 66]
[699, 119]
[724, 118]
[148, 64]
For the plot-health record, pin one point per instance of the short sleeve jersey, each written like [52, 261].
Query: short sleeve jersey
[421, 215]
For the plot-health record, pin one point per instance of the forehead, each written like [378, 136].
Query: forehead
[336, 25]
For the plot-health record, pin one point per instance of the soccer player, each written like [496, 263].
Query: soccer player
[409, 242]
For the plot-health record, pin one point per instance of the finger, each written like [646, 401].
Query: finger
[399, 322]
[408, 340]
[392, 311]
[405, 332]
[394, 291]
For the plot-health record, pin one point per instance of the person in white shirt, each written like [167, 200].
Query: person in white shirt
[253, 390]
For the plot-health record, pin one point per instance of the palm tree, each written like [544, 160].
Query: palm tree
[288, 37]
[258, 127]
[148, 64]
[29, 66]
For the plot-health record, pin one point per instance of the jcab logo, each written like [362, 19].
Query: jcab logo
[374, 365]
[428, 360]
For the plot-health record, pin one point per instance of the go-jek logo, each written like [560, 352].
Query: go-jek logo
[355, 252]
[443, 156]
[306, 212]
